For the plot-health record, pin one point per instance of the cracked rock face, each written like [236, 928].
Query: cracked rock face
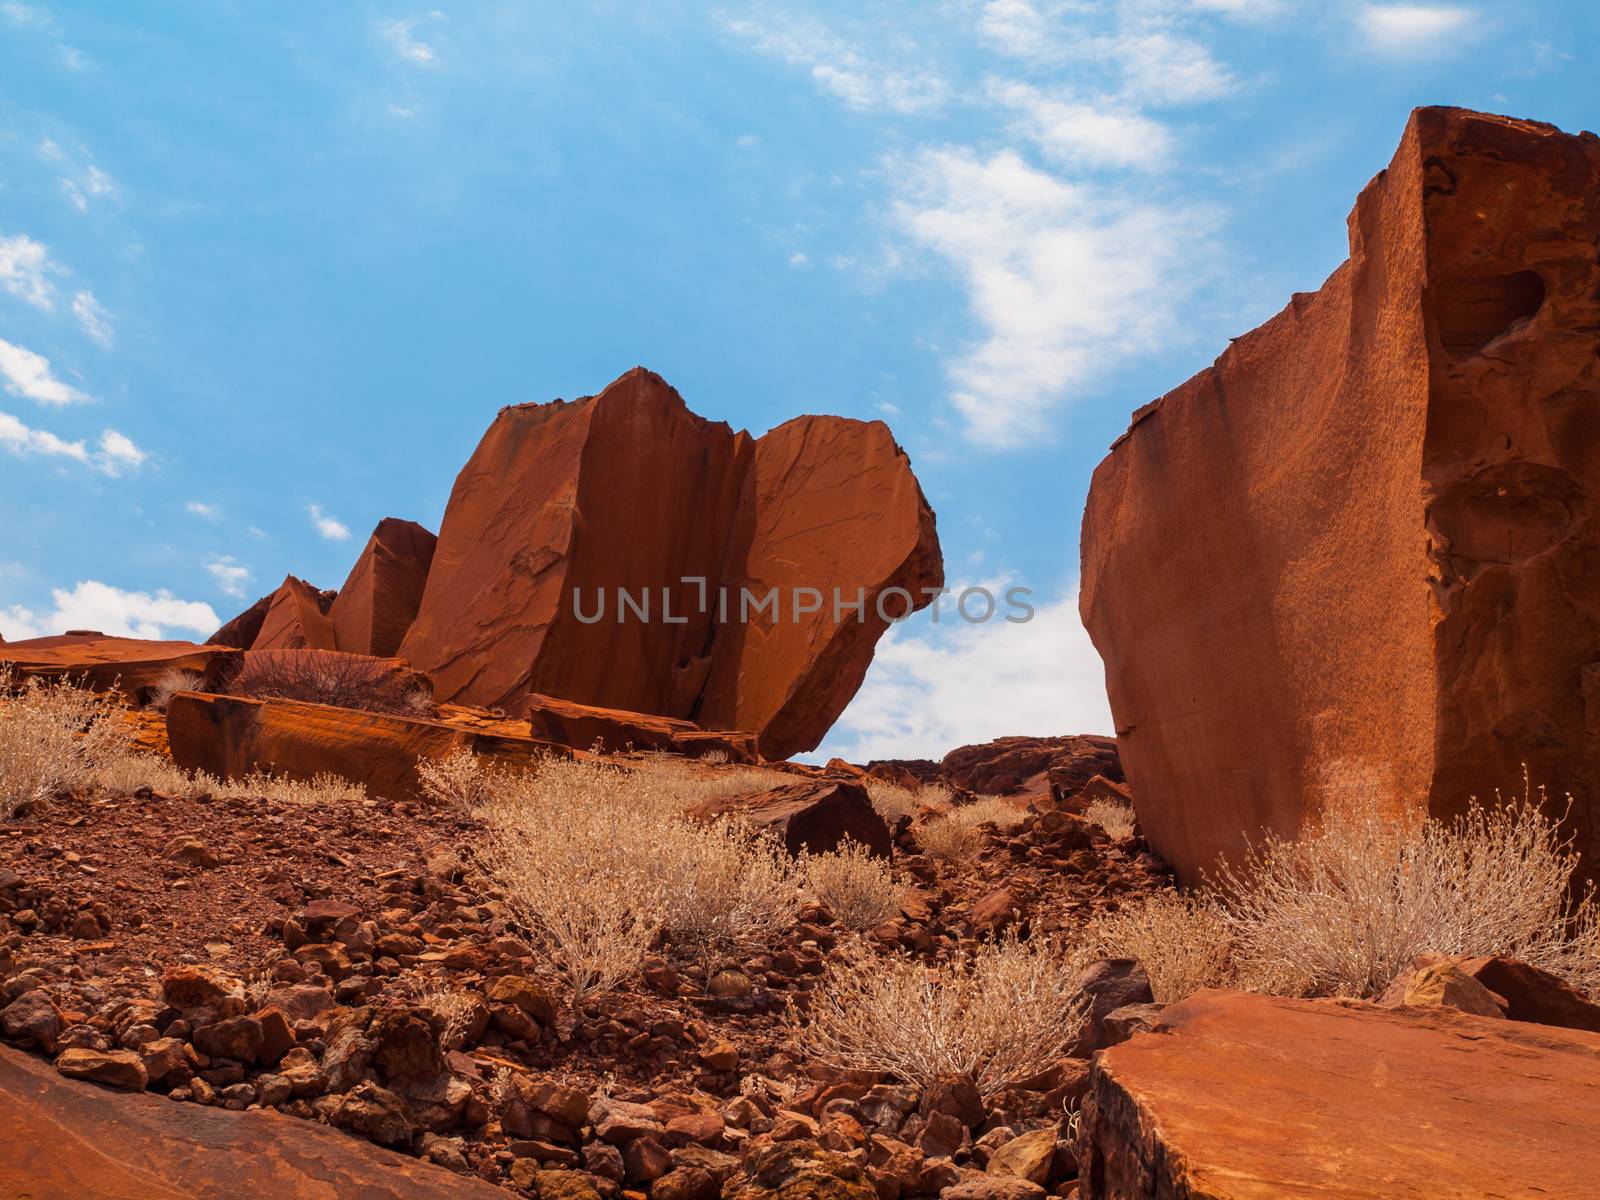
[1359, 555]
[629, 489]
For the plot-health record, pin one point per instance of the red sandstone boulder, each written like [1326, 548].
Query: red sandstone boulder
[1242, 1095]
[69, 1139]
[583, 728]
[231, 737]
[297, 619]
[812, 817]
[1345, 561]
[1519, 991]
[379, 600]
[133, 665]
[241, 632]
[563, 504]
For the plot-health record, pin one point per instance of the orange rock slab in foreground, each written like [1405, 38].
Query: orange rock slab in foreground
[584, 727]
[66, 1140]
[229, 737]
[1359, 556]
[133, 665]
[1243, 1097]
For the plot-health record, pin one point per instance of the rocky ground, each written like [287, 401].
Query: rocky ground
[348, 964]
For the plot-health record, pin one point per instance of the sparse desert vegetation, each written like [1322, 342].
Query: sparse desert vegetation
[1116, 818]
[341, 680]
[54, 737]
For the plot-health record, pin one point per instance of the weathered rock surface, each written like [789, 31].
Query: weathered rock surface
[379, 600]
[814, 817]
[1034, 769]
[296, 619]
[66, 1140]
[1358, 555]
[241, 632]
[133, 665]
[563, 504]
[583, 726]
[1518, 990]
[1253, 1096]
[230, 737]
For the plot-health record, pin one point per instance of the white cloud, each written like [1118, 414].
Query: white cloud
[95, 605]
[799, 259]
[21, 440]
[201, 509]
[841, 69]
[331, 528]
[231, 575]
[74, 59]
[24, 265]
[1065, 279]
[1159, 67]
[1412, 29]
[96, 321]
[28, 375]
[118, 453]
[24, 14]
[398, 35]
[89, 184]
[933, 688]
[1078, 133]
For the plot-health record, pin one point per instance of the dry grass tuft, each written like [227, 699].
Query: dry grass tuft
[893, 802]
[322, 788]
[1183, 942]
[957, 835]
[458, 780]
[1115, 817]
[1345, 908]
[1005, 1011]
[171, 683]
[858, 888]
[54, 737]
[327, 677]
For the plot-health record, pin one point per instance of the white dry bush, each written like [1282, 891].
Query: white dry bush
[1114, 816]
[171, 683]
[1005, 1011]
[322, 788]
[597, 861]
[1345, 908]
[458, 780]
[857, 887]
[893, 802]
[130, 771]
[958, 835]
[1183, 942]
[54, 737]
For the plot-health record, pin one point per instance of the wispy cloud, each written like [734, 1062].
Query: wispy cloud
[842, 69]
[24, 14]
[232, 576]
[933, 688]
[100, 606]
[331, 528]
[28, 375]
[25, 268]
[1083, 133]
[399, 36]
[1064, 279]
[22, 440]
[200, 509]
[90, 184]
[118, 453]
[1413, 30]
[96, 321]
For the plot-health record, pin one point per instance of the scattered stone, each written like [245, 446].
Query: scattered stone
[115, 1068]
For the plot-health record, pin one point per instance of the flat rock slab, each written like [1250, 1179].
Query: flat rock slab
[66, 1140]
[1247, 1097]
[94, 660]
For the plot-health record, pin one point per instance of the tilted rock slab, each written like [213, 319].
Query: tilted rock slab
[1249, 1097]
[296, 619]
[69, 1139]
[1359, 556]
[629, 489]
[133, 666]
[379, 600]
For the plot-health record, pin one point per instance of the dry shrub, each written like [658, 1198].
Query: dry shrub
[893, 802]
[327, 677]
[1344, 909]
[458, 780]
[171, 683]
[957, 835]
[1007, 1010]
[1183, 942]
[322, 788]
[130, 771]
[858, 888]
[682, 783]
[597, 861]
[1115, 817]
[54, 737]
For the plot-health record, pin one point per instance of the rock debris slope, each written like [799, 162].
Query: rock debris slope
[1358, 556]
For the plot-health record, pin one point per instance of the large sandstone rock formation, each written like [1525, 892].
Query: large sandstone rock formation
[68, 1139]
[1254, 1096]
[296, 619]
[133, 666]
[379, 600]
[630, 490]
[1359, 555]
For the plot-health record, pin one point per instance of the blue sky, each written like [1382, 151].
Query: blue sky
[267, 272]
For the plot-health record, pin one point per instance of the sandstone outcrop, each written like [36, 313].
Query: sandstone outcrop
[132, 665]
[563, 504]
[241, 632]
[814, 818]
[1357, 557]
[379, 600]
[584, 727]
[230, 737]
[297, 619]
[1254, 1096]
[69, 1139]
